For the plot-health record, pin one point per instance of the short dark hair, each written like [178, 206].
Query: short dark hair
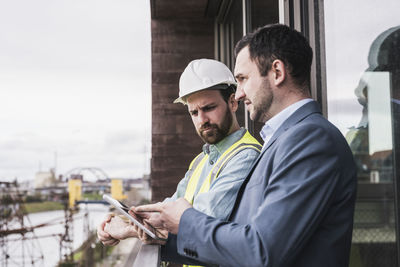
[277, 41]
[226, 93]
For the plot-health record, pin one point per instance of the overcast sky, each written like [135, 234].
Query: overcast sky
[75, 87]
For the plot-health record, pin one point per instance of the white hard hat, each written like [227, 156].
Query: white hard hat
[202, 74]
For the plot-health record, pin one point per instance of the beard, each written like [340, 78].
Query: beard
[213, 133]
[262, 105]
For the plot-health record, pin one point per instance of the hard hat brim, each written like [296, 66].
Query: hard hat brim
[221, 86]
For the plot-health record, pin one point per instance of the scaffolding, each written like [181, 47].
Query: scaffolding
[18, 242]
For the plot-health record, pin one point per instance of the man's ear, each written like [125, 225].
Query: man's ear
[232, 102]
[278, 69]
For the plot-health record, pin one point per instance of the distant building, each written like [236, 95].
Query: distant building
[137, 189]
[45, 179]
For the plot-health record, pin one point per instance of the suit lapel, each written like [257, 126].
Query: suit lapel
[303, 112]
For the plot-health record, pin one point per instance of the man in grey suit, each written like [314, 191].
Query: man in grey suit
[296, 206]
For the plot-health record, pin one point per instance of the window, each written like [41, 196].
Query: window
[234, 19]
[363, 100]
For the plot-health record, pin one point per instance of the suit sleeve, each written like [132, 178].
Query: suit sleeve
[300, 187]
[169, 253]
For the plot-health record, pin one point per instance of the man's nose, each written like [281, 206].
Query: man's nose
[203, 117]
[239, 93]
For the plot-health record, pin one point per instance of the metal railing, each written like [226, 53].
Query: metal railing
[148, 255]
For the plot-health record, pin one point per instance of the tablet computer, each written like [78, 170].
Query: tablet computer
[122, 208]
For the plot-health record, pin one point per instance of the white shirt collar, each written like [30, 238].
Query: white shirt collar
[276, 121]
[396, 101]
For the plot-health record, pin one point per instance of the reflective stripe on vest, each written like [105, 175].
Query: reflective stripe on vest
[196, 167]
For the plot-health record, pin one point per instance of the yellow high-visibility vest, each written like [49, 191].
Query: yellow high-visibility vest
[196, 167]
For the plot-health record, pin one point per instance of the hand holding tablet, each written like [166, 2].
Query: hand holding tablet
[125, 211]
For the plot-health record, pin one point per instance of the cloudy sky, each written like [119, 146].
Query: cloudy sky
[75, 87]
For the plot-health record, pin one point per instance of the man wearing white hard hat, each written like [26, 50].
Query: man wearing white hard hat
[214, 177]
[207, 87]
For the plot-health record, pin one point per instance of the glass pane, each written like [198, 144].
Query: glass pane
[363, 92]
[262, 13]
[230, 32]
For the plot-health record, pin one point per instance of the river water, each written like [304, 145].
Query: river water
[48, 241]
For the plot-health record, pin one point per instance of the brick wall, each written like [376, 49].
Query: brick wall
[175, 42]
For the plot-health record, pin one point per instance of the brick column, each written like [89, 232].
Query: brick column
[175, 42]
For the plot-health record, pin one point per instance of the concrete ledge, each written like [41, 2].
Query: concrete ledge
[149, 256]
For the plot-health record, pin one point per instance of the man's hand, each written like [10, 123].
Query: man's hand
[119, 228]
[151, 221]
[170, 214]
[103, 236]
[145, 238]
[152, 218]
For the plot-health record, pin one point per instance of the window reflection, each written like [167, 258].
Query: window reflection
[372, 144]
[371, 139]
[363, 93]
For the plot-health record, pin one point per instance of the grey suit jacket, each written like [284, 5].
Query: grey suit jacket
[294, 209]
